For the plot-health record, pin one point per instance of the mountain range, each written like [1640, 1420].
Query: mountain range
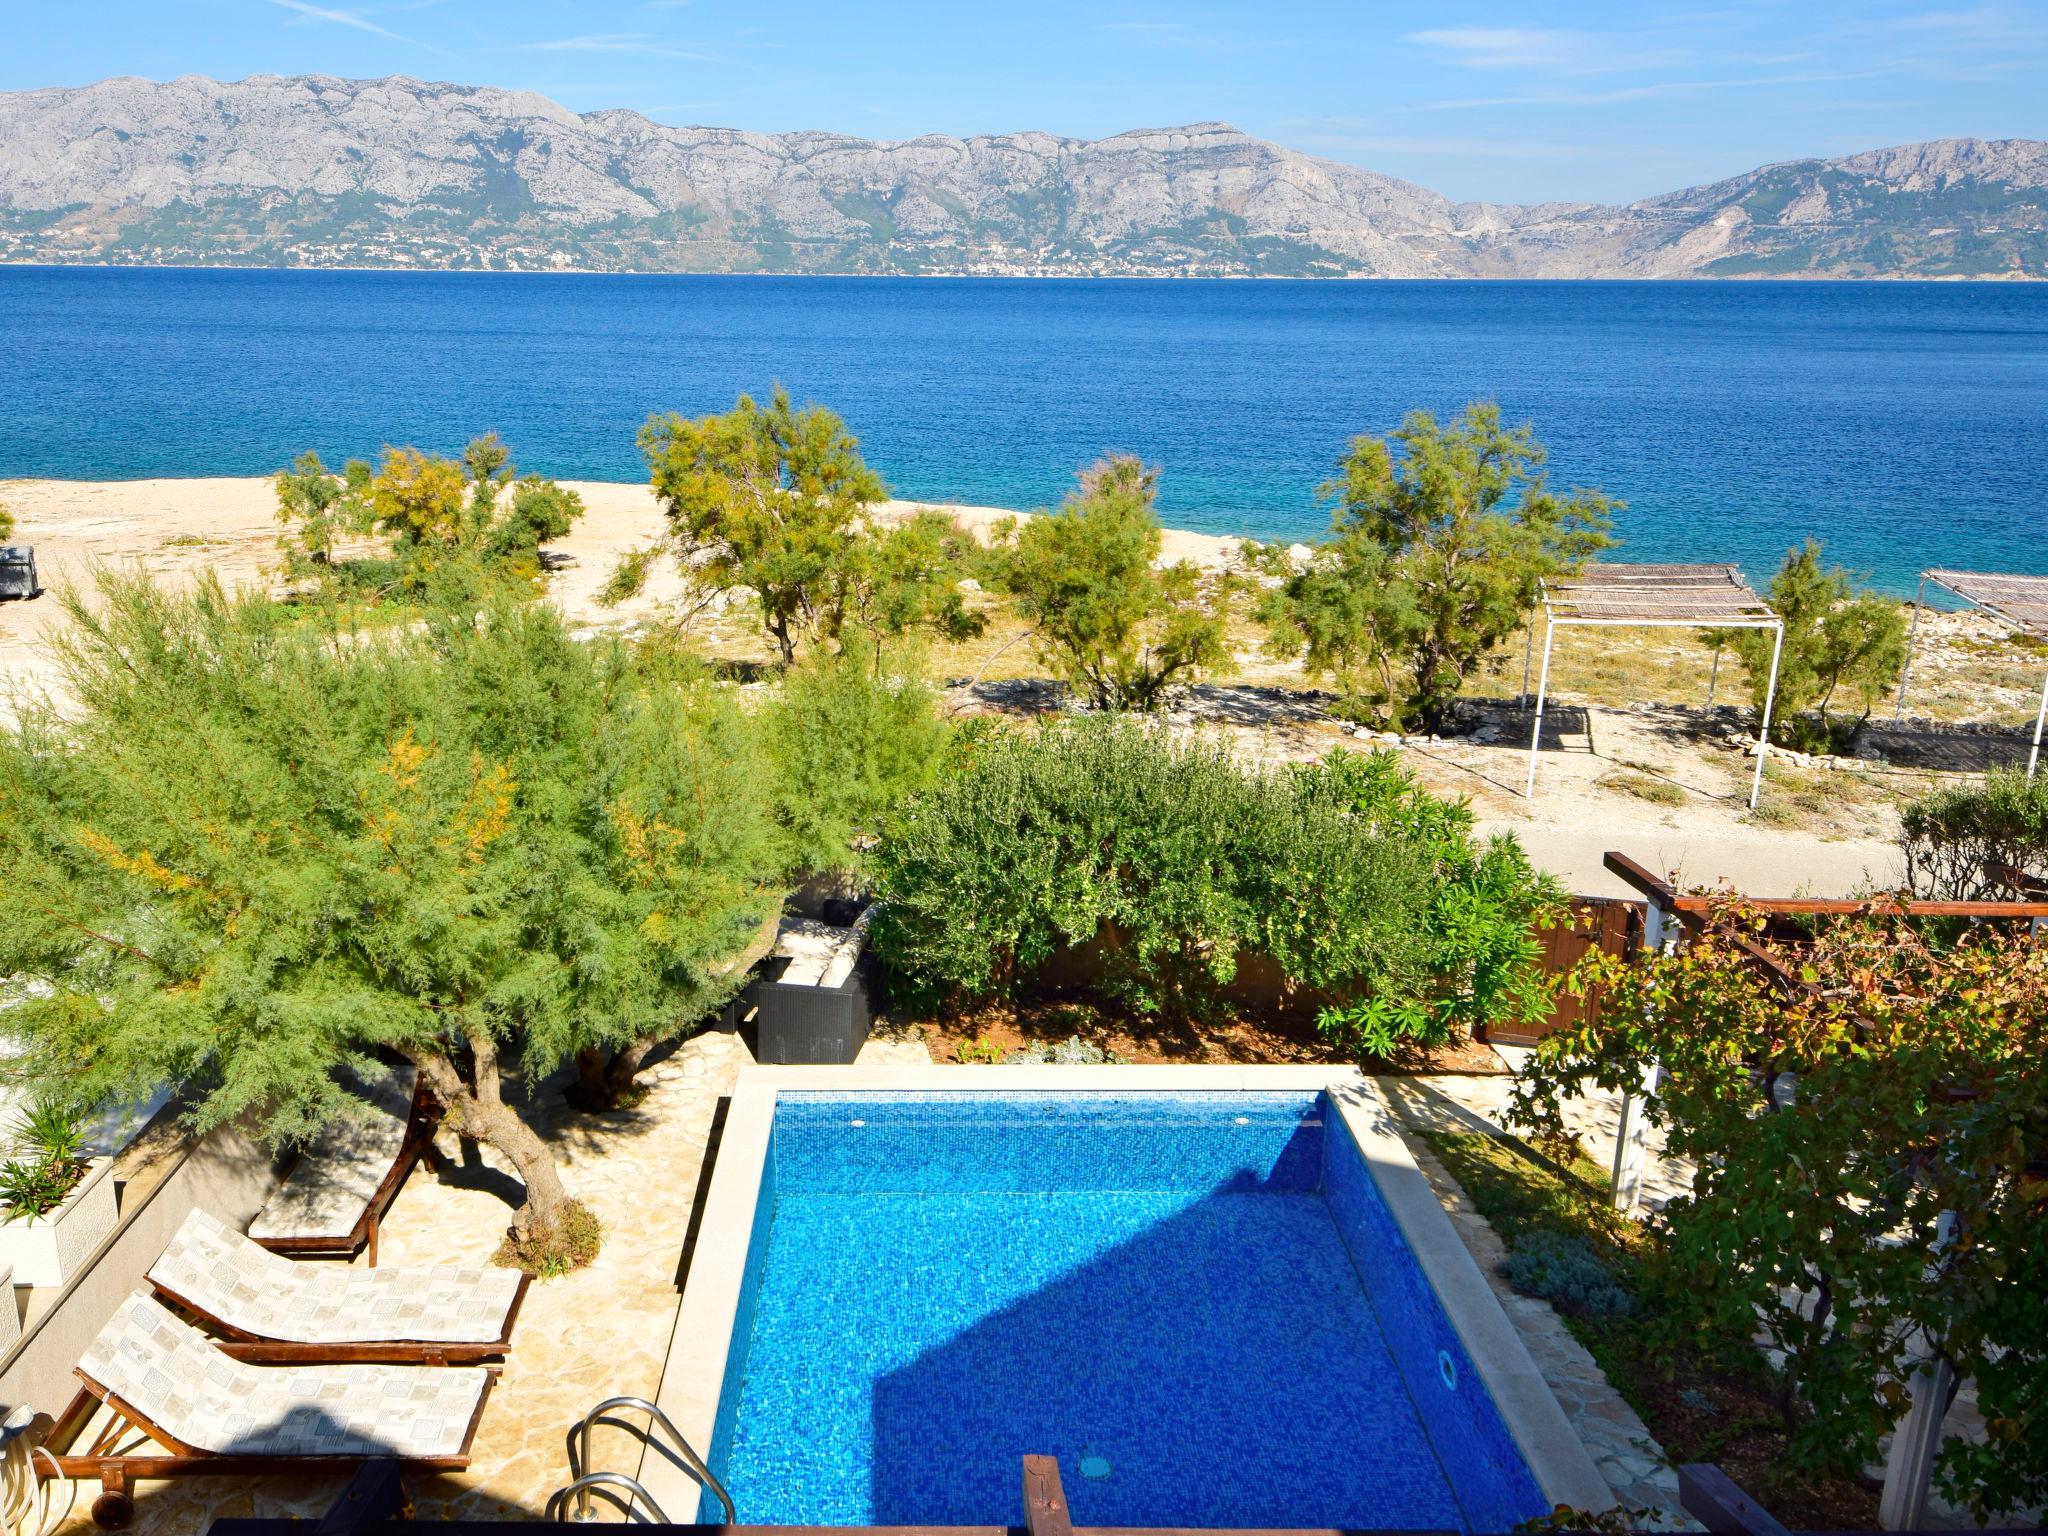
[317, 171]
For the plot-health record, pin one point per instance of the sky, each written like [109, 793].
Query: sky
[1506, 102]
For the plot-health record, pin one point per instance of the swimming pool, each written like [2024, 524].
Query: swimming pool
[1198, 1300]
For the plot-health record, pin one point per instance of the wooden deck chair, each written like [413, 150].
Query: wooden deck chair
[210, 1416]
[336, 1194]
[267, 1308]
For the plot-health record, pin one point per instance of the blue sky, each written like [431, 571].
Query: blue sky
[1511, 102]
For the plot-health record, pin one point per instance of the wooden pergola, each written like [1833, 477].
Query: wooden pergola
[2018, 602]
[1655, 597]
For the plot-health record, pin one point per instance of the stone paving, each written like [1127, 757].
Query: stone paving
[599, 1332]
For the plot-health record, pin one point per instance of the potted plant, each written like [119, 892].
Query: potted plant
[56, 1203]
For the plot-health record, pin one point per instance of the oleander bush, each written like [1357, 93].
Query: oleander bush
[1871, 1147]
[1476, 934]
[1168, 862]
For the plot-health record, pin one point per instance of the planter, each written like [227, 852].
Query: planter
[49, 1250]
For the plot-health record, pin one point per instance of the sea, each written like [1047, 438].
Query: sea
[1902, 424]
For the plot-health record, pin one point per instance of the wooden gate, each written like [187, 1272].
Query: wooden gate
[1609, 923]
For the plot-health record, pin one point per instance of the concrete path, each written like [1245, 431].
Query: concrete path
[1757, 862]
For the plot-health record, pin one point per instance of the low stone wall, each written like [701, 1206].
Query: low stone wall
[1954, 746]
[224, 1172]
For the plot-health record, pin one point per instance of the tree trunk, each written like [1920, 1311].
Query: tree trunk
[602, 1080]
[478, 1110]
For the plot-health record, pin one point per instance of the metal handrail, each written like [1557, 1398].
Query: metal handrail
[589, 1480]
[579, 1450]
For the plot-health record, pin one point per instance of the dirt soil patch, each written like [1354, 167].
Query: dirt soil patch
[990, 1032]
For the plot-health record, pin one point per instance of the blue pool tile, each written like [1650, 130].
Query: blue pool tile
[1153, 1289]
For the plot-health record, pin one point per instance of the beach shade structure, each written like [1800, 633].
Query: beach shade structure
[2018, 602]
[1655, 597]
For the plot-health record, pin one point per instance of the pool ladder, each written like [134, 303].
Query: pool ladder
[577, 1492]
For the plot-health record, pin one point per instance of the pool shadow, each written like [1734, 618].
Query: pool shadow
[1222, 1367]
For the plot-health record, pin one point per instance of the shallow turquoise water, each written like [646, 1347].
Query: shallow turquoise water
[1903, 422]
[1197, 1304]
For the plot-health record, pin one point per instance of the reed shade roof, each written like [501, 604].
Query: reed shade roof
[1667, 596]
[2021, 601]
[1708, 595]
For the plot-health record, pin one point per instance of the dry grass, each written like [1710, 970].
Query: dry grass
[1644, 786]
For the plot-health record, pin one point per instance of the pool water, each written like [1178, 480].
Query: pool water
[1197, 1302]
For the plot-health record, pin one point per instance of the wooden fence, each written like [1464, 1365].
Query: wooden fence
[1609, 923]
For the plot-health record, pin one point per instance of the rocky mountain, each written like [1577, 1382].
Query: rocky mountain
[316, 171]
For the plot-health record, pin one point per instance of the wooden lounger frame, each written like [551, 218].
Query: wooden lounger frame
[259, 1349]
[419, 1144]
[118, 1471]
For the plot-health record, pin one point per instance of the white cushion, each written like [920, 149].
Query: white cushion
[168, 1372]
[218, 1270]
[341, 1169]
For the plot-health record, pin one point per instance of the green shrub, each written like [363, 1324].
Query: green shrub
[1113, 623]
[1474, 938]
[1567, 1272]
[849, 745]
[1951, 836]
[1841, 640]
[1887, 1213]
[1171, 861]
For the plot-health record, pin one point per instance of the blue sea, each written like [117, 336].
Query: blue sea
[1905, 424]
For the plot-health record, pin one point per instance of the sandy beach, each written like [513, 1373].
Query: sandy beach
[1830, 834]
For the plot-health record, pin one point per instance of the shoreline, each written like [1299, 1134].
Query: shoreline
[1780, 279]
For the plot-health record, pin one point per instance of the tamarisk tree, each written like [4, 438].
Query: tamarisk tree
[778, 502]
[1440, 541]
[249, 853]
[1117, 626]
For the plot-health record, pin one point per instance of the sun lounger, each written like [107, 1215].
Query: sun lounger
[211, 1416]
[268, 1308]
[331, 1202]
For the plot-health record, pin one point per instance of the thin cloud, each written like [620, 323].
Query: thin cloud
[1174, 34]
[1500, 149]
[339, 18]
[1648, 92]
[639, 43]
[1583, 53]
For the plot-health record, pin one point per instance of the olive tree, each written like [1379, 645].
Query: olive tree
[1439, 541]
[249, 851]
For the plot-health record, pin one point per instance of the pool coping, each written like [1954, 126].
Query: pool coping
[693, 1371]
